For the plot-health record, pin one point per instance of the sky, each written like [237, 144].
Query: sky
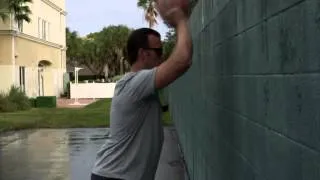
[86, 16]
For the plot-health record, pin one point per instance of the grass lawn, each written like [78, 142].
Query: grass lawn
[93, 115]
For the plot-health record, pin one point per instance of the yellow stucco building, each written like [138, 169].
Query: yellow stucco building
[34, 55]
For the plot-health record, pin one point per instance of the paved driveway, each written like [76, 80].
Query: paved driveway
[68, 154]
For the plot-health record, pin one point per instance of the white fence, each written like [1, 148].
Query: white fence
[92, 90]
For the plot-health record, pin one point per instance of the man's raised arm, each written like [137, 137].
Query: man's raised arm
[180, 59]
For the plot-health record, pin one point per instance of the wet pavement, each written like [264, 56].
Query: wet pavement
[68, 154]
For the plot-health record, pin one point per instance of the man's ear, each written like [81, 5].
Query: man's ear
[140, 52]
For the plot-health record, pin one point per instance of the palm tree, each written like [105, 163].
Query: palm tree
[150, 11]
[18, 8]
[3, 10]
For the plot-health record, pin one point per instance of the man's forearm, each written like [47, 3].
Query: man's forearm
[180, 59]
[183, 48]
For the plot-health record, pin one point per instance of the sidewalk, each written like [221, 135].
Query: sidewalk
[68, 103]
[171, 165]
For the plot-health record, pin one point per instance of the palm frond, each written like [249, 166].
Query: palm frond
[150, 11]
[4, 11]
[20, 9]
[4, 16]
[142, 4]
[22, 17]
[25, 9]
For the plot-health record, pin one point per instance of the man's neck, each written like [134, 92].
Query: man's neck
[136, 67]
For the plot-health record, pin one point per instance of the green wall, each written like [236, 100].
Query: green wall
[249, 108]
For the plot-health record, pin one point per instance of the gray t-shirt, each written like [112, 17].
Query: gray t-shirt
[133, 149]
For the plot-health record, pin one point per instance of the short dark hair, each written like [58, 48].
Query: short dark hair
[139, 39]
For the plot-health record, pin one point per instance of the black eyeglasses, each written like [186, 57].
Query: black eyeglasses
[157, 50]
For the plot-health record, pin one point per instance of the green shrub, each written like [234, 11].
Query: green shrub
[19, 98]
[46, 102]
[15, 100]
[6, 105]
[33, 102]
[117, 78]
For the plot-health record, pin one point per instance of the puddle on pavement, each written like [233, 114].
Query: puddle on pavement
[49, 154]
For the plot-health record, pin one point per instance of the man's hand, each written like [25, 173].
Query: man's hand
[174, 16]
[171, 15]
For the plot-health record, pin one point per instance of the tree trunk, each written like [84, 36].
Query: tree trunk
[121, 65]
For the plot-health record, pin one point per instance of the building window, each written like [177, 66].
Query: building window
[48, 31]
[22, 78]
[39, 27]
[43, 29]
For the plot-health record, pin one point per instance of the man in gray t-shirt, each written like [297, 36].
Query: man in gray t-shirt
[133, 149]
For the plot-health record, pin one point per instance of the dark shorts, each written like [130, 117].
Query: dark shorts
[96, 177]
